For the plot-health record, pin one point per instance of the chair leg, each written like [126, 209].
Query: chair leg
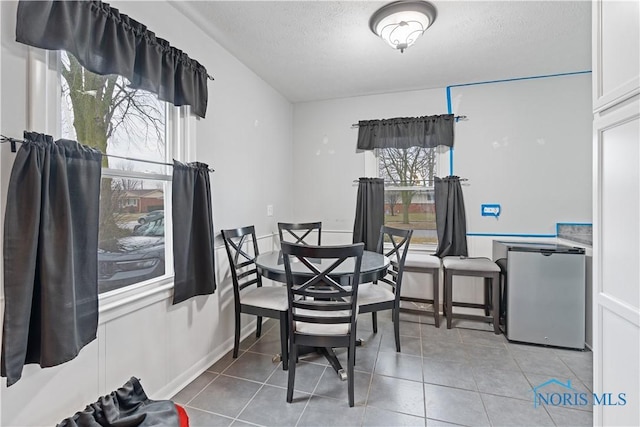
[436, 298]
[374, 321]
[284, 340]
[396, 327]
[236, 335]
[350, 364]
[259, 327]
[448, 296]
[293, 356]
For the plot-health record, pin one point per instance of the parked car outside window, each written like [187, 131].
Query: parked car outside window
[137, 258]
[151, 216]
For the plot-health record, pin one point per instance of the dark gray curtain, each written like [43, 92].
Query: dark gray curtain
[50, 254]
[107, 42]
[369, 212]
[405, 132]
[193, 247]
[451, 222]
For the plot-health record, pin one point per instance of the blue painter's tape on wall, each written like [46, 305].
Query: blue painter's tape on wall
[490, 210]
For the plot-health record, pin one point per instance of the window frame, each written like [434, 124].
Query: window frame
[43, 112]
[371, 168]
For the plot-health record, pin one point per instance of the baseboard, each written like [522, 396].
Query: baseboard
[184, 379]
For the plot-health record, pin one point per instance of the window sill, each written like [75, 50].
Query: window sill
[119, 302]
[417, 250]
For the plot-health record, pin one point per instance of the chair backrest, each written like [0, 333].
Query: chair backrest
[397, 254]
[242, 250]
[315, 297]
[300, 233]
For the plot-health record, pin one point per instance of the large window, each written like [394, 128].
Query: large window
[409, 202]
[102, 112]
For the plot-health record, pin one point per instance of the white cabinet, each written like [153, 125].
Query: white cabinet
[616, 214]
[616, 51]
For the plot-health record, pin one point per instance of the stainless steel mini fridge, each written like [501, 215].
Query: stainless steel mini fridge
[544, 293]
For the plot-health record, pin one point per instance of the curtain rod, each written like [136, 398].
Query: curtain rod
[356, 181]
[13, 142]
[458, 118]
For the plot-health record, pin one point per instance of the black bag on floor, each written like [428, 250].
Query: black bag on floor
[126, 407]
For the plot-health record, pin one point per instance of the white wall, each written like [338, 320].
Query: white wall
[246, 138]
[525, 146]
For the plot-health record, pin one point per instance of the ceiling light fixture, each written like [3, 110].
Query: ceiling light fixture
[401, 23]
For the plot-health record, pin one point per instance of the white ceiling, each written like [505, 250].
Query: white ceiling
[314, 50]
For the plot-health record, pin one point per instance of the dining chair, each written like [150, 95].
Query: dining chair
[376, 297]
[322, 312]
[300, 233]
[250, 297]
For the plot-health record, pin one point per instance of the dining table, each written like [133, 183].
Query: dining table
[373, 267]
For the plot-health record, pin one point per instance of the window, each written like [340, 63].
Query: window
[102, 112]
[409, 196]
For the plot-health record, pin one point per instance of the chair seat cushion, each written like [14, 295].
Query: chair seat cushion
[421, 261]
[319, 328]
[271, 297]
[368, 293]
[470, 264]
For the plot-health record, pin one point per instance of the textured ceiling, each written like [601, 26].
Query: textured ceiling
[314, 50]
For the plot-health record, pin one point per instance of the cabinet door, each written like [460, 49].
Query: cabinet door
[616, 293]
[616, 51]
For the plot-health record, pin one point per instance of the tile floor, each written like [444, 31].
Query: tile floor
[461, 376]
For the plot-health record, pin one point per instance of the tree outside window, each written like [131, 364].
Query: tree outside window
[409, 177]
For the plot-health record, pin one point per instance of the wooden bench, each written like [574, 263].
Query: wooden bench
[473, 267]
[428, 264]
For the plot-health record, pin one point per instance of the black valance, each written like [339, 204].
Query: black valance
[107, 42]
[405, 132]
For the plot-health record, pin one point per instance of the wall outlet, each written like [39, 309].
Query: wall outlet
[269, 210]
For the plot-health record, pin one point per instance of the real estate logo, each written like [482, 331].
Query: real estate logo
[569, 396]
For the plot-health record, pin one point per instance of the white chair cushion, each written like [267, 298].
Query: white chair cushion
[322, 329]
[470, 264]
[271, 297]
[368, 293]
[421, 261]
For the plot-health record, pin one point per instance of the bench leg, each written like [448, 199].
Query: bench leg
[448, 296]
[495, 279]
[436, 297]
[487, 296]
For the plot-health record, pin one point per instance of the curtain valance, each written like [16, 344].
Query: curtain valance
[405, 132]
[107, 42]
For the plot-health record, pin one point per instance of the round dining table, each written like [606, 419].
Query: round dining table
[373, 267]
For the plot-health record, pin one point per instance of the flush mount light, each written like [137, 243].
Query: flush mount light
[401, 23]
